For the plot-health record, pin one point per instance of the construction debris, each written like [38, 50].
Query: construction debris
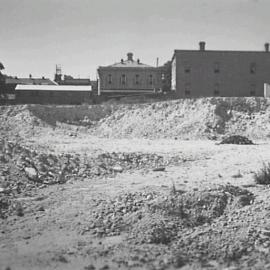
[236, 139]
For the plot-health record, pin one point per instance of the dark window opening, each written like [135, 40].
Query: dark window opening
[137, 79]
[151, 79]
[253, 68]
[187, 68]
[123, 79]
[216, 89]
[253, 89]
[110, 79]
[187, 89]
[216, 68]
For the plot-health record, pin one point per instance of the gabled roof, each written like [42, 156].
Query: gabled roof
[129, 63]
[32, 81]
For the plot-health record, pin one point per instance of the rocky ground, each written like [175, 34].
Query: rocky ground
[85, 188]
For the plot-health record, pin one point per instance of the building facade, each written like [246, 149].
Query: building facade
[128, 77]
[204, 73]
[53, 94]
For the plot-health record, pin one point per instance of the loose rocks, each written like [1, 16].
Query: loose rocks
[236, 139]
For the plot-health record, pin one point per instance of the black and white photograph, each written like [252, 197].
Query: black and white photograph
[134, 134]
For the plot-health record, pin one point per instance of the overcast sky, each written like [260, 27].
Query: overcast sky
[81, 35]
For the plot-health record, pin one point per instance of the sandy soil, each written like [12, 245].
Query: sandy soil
[125, 221]
[53, 239]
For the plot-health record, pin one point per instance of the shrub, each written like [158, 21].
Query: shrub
[262, 177]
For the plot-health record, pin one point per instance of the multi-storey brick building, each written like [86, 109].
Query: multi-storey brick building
[128, 77]
[204, 73]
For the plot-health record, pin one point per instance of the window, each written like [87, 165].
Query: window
[187, 89]
[123, 79]
[151, 79]
[253, 68]
[216, 67]
[187, 68]
[163, 77]
[253, 89]
[137, 77]
[216, 89]
[110, 79]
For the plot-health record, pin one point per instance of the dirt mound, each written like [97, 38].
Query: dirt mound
[190, 119]
[204, 226]
[188, 210]
[183, 119]
[209, 118]
[236, 139]
[155, 218]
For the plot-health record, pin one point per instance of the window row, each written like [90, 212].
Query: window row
[216, 67]
[123, 79]
[216, 89]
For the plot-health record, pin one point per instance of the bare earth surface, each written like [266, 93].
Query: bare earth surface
[98, 202]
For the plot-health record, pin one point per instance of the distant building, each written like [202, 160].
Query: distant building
[69, 80]
[128, 77]
[8, 85]
[28, 81]
[166, 76]
[53, 94]
[206, 73]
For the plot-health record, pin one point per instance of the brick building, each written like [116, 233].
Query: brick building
[128, 77]
[204, 73]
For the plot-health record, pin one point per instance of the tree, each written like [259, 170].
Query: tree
[1, 66]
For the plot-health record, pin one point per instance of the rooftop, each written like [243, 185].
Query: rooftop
[30, 80]
[129, 63]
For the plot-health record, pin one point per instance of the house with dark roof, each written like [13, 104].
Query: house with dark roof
[8, 85]
[128, 77]
[28, 81]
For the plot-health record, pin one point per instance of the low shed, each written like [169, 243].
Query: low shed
[53, 94]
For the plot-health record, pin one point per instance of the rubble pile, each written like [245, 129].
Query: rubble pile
[156, 218]
[110, 217]
[202, 118]
[23, 169]
[236, 139]
[205, 118]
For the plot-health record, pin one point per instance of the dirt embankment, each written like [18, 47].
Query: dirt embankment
[206, 118]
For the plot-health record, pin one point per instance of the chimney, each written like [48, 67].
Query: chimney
[130, 56]
[157, 62]
[266, 46]
[122, 61]
[30, 76]
[202, 45]
[138, 61]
